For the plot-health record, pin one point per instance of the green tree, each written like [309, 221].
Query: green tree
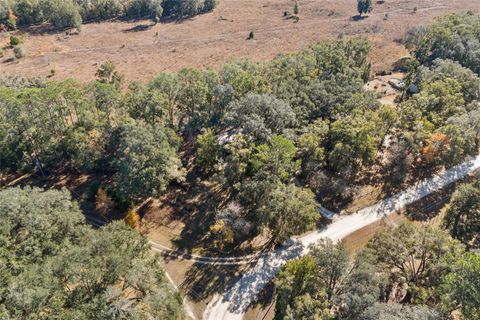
[62, 13]
[209, 5]
[107, 73]
[462, 218]
[144, 8]
[451, 37]
[28, 12]
[460, 289]
[275, 159]
[311, 145]
[208, 150]
[296, 297]
[413, 256]
[244, 76]
[145, 160]
[364, 6]
[260, 116]
[288, 210]
[54, 265]
[397, 311]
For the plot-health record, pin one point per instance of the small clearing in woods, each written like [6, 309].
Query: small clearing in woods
[209, 40]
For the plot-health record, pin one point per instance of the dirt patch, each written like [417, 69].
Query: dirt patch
[209, 40]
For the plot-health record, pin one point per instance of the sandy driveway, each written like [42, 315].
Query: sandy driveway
[236, 300]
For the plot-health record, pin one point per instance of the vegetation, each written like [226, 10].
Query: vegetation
[301, 119]
[403, 273]
[462, 218]
[273, 138]
[53, 265]
[364, 6]
[70, 13]
[452, 37]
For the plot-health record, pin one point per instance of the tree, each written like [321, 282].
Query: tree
[260, 116]
[145, 160]
[208, 150]
[332, 261]
[52, 264]
[62, 13]
[245, 77]
[364, 6]
[355, 139]
[462, 218]
[311, 145]
[182, 8]
[107, 73]
[397, 311]
[460, 289]
[451, 37]
[209, 5]
[289, 211]
[28, 12]
[275, 159]
[144, 8]
[296, 294]
[412, 256]
[326, 279]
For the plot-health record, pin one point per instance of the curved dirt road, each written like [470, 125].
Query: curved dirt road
[236, 300]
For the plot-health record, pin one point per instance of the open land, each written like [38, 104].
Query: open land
[140, 50]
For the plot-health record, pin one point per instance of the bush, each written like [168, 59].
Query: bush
[14, 41]
[251, 35]
[19, 52]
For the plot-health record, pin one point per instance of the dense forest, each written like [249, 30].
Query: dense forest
[71, 13]
[277, 138]
[54, 266]
[292, 126]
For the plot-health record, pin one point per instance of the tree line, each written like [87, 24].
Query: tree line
[71, 13]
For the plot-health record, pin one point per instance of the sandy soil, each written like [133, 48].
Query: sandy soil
[141, 51]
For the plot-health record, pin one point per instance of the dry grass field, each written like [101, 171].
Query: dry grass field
[140, 50]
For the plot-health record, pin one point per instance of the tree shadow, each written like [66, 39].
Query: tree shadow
[204, 280]
[358, 17]
[139, 28]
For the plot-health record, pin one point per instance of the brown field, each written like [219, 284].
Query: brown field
[141, 50]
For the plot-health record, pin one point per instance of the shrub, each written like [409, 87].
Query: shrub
[251, 35]
[14, 41]
[296, 8]
[11, 20]
[19, 52]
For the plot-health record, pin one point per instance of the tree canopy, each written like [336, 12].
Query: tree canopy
[52, 265]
